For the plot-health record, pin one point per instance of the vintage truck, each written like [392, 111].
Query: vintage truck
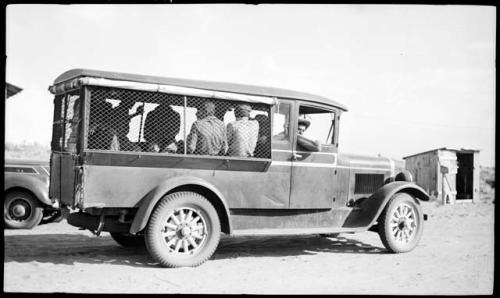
[123, 161]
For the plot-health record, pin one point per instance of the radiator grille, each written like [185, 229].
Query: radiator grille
[367, 183]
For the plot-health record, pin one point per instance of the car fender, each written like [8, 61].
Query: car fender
[33, 184]
[147, 204]
[369, 209]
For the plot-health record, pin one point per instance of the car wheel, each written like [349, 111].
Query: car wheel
[128, 240]
[401, 223]
[22, 210]
[183, 231]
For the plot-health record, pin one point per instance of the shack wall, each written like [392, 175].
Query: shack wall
[447, 182]
[477, 170]
[424, 171]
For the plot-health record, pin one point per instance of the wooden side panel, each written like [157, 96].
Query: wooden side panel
[55, 176]
[65, 181]
[114, 186]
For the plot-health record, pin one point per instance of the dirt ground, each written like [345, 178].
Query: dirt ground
[455, 256]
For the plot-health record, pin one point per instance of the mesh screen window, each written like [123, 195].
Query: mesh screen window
[141, 121]
[66, 122]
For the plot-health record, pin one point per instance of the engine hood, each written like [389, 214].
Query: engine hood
[361, 162]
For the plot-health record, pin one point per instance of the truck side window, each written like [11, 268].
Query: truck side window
[281, 122]
[320, 124]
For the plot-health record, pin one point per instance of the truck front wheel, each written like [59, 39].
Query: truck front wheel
[183, 231]
[401, 223]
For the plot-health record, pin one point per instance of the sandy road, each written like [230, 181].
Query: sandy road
[455, 256]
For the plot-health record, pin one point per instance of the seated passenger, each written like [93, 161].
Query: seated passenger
[303, 142]
[208, 134]
[242, 133]
[99, 134]
[120, 125]
[263, 143]
[160, 128]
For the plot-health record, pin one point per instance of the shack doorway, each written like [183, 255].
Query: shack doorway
[465, 176]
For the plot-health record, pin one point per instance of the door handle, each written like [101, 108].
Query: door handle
[296, 156]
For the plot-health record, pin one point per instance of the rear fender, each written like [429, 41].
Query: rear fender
[147, 204]
[33, 184]
[371, 207]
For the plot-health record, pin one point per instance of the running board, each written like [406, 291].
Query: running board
[305, 231]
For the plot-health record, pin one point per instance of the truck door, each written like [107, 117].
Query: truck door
[279, 172]
[313, 173]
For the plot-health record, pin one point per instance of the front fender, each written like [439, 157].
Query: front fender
[147, 204]
[370, 208]
[34, 184]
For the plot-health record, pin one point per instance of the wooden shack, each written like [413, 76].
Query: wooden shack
[450, 175]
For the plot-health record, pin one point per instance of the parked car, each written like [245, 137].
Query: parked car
[26, 199]
[171, 163]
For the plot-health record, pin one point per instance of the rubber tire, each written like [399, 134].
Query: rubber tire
[34, 218]
[128, 240]
[404, 176]
[384, 220]
[156, 244]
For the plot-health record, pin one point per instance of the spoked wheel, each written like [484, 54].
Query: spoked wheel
[401, 223]
[21, 210]
[183, 231]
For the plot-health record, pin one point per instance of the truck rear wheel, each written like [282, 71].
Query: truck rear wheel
[401, 223]
[183, 231]
[21, 210]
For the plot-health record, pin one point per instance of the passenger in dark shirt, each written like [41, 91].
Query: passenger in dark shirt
[160, 128]
[120, 121]
[263, 147]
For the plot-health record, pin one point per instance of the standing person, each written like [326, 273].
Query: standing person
[303, 142]
[208, 133]
[242, 133]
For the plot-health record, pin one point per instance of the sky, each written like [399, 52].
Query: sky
[414, 77]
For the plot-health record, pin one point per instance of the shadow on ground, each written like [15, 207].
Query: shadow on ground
[71, 249]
